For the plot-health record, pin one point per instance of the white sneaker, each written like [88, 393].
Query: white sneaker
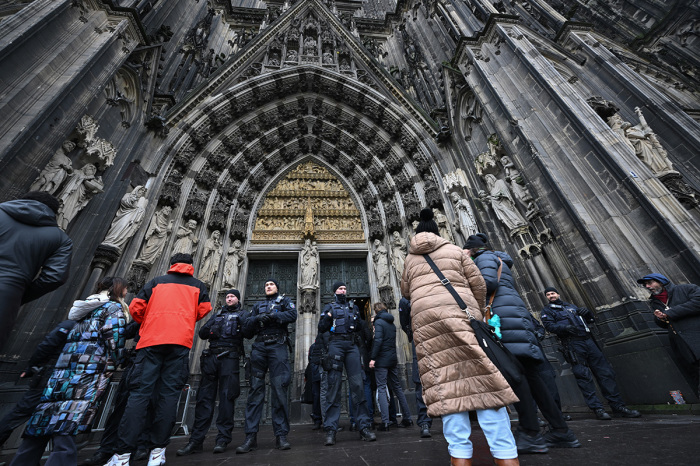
[119, 460]
[157, 457]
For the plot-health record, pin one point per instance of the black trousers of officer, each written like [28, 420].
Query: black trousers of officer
[343, 352]
[591, 362]
[316, 392]
[420, 404]
[272, 356]
[533, 387]
[220, 374]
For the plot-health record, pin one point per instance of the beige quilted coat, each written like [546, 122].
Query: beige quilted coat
[456, 374]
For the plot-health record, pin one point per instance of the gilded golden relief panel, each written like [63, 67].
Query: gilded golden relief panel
[308, 203]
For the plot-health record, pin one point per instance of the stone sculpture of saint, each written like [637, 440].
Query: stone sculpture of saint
[517, 184]
[235, 258]
[128, 218]
[381, 264]
[80, 188]
[443, 225]
[211, 258]
[647, 146]
[398, 253]
[187, 240]
[502, 203]
[309, 265]
[467, 222]
[56, 171]
[156, 236]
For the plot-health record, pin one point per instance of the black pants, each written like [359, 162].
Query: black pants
[222, 375]
[420, 404]
[591, 362]
[272, 356]
[30, 451]
[534, 388]
[167, 368]
[20, 413]
[344, 353]
[316, 392]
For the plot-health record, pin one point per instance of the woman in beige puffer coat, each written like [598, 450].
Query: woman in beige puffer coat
[456, 374]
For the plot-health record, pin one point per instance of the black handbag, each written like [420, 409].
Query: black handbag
[499, 355]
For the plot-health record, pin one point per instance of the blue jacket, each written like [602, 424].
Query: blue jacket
[563, 319]
[519, 334]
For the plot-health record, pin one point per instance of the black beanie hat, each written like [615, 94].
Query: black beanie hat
[476, 241]
[427, 223]
[274, 280]
[337, 285]
[550, 288]
[234, 292]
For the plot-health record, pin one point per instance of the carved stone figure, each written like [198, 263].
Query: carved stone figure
[467, 222]
[292, 55]
[502, 203]
[327, 58]
[128, 218]
[309, 265]
[186, 238]
[381, 264]
[517, 185]
[647, 146]
[398, 253]
[485, 163]
[236, 256]
[156, 236]
[56, 171]
[310, 46]
[210, 260]
[443, 225]
[80, 188]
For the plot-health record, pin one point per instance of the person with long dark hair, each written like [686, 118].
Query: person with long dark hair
[80, 378]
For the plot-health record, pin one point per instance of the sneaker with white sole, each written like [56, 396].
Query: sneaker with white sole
[157, 457]
[119, 460]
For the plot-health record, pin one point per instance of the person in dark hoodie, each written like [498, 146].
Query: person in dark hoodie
[384, 362]
[520, 338]
[35, 254]
[677, 308]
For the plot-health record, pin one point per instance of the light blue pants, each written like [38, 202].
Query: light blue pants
[495, 424]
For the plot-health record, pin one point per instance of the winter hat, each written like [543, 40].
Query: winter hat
[273, 280]
[550, 288]
[476, 241]
[234, 292]
[337, 285]
[427, 223]
[654, 276]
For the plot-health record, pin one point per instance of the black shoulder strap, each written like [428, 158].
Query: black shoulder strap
[446, 282]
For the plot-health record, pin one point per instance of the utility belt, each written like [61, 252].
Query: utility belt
[269, 338]
[341, 336]
[221, 352]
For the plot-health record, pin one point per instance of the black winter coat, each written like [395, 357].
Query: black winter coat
[683, 311]
[519, 334]
[384, 346]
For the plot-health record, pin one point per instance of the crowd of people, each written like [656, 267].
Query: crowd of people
[452, 374]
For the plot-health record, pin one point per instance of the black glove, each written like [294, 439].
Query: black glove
[585, 313]
[571, 329]
[265, 320]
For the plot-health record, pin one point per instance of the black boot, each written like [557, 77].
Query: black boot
[624, 411]
[98, 459]
[250, 444]
[282, 444]
[601, 415]
[190, 448]
[405, 423]
[220, 447]
[383, 427]
[330, 438]
[317, 425]
[141, 454]
[425, 431]
[367, 435]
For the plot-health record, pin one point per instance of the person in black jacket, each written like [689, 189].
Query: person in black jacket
[384, 361]
[220, 365]
[520, 339]
[677, 308]
[341, 318]
[316, 351]
[572, 325]
[38, 368]
[423, 420]
[35, 254]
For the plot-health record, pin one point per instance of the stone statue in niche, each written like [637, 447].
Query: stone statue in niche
[186, 242]
[128, 218]
[502, 203]
[309, 265]
[327, 58]
[56, 171]
[647, 146]
[82, 185]
[236, 256]
[156, 236]
[517, 186]
[292, 55]
[398, 253]
[310, 46]
[467, 221]
[486, 161]
[211, 258]
[274, 59]
[381, 264]
[443, 225]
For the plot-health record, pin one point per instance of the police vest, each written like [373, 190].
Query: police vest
[270, 306]
[344, 318]
[228, 326]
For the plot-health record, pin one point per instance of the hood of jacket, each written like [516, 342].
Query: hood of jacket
[179, 267]
[30, 212]
[386, 316]
[425, 243]
[83, 307]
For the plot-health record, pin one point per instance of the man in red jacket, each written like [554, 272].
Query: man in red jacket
[167, 308]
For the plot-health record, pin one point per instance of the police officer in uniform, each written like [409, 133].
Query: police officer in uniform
[220, 372]
[341, 318]
[571, 325]
[268, 322]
